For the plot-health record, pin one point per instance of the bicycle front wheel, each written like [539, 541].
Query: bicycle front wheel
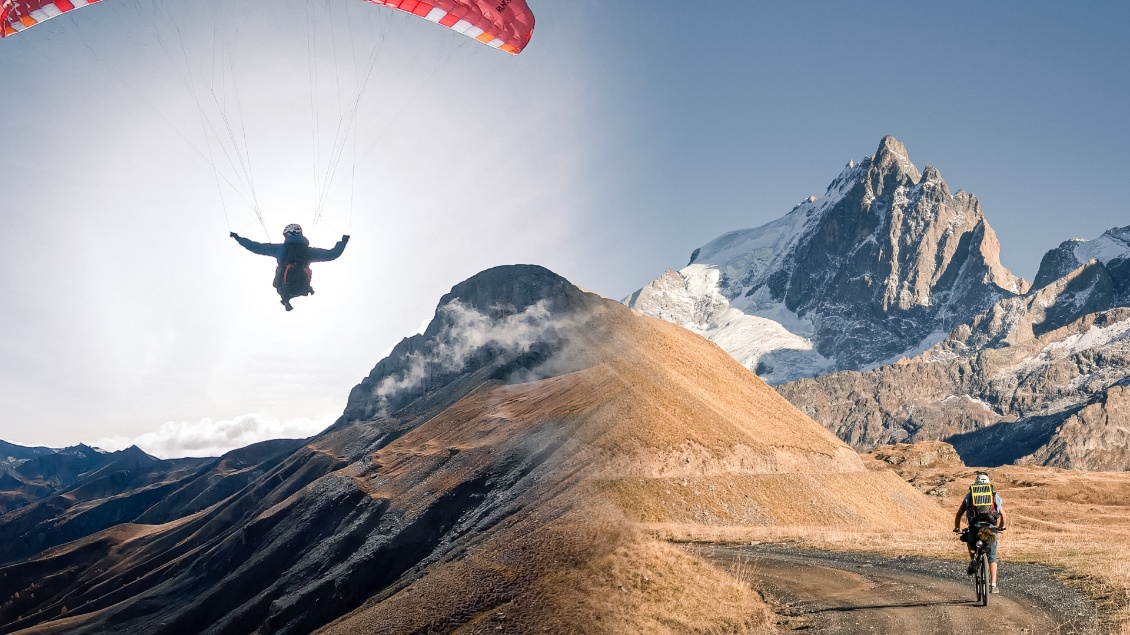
[983, 580]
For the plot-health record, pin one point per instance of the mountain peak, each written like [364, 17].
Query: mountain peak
[134, 452]
[884, 263]
[1112, 249]
[502, 323]
[512, 289]
[892, 147]
[892, 158]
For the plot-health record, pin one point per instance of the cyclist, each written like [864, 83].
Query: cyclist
[993, 515]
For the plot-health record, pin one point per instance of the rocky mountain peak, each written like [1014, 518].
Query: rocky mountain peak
[891, 148]
[885, 263]
[501, 323]
[512, 289]
[890, 167]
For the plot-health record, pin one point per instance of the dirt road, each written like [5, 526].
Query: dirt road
[846, 593]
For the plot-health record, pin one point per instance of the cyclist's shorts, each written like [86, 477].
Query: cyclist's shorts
[992, 547]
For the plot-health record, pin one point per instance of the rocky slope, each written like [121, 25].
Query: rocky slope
[1035, 379]
[887, 261]
[505, 471]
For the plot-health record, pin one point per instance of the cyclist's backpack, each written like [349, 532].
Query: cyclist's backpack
[983, 504]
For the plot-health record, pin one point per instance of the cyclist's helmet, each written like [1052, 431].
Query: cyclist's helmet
[982, 479]
[292, 229]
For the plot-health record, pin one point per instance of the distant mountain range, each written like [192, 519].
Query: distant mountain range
[60, 496]
[883, 312]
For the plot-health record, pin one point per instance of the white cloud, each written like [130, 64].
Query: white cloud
[206, 437]
[468, 332]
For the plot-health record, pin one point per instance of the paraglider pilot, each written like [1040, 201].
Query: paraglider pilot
[294, 255]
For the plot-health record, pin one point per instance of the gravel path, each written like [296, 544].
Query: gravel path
[852, 593]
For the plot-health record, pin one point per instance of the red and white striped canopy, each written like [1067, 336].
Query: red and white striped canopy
[502, 24]
[17, 15]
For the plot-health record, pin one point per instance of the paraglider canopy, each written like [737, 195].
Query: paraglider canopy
[503, 24]
[17, 15]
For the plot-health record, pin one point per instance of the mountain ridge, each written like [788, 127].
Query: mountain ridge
[1034, 379]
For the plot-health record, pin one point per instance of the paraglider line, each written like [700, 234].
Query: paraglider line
[244, 166]
[345, 130]
[340, 141]
[186, 78]
[211, 163]
[312, 55]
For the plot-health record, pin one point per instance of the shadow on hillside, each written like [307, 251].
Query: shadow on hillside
[1003, 443]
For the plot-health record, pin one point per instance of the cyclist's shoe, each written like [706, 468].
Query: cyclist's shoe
[972, 568]
[993, 588]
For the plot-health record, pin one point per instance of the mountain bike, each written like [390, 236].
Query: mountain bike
[983, 536]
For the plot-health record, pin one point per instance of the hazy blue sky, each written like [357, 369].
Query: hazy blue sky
[627, 134]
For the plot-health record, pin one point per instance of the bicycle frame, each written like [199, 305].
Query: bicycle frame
[980, 543]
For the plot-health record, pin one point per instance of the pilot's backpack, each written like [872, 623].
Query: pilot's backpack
[983, 504]
[293, 274]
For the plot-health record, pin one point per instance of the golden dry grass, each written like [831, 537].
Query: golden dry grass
[664, 437]
[1076, 521]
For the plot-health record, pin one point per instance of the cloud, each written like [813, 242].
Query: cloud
[468, 331]
[206, 437]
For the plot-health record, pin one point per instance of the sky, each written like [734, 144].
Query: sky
[628, 133]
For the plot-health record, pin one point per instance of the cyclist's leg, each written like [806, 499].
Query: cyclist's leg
[993, 560]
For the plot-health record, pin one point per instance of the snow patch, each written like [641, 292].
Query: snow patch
[765, 337]
[1110, 246]
[1094, 336]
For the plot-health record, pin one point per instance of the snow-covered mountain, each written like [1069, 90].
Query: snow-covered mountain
[1112, 250]
[883, 265]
